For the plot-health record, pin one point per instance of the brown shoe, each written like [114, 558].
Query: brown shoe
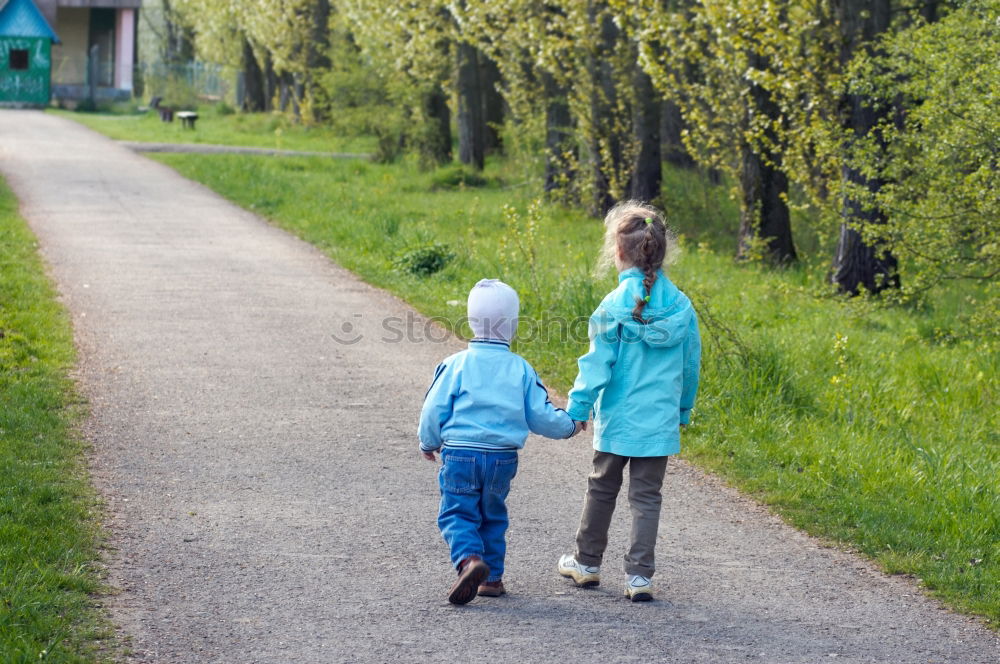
[471, 572]
[491, 589]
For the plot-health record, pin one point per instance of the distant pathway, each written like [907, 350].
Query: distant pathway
[267, 503]
[208, 148]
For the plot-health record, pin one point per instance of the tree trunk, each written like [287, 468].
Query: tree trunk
[604, 140]
[179, 47]
[672, 145]
[560, 150]
[317, 56]
[270, 82]
[435, 145]
[856, 263]
[647, 173]
[254, 97]
[764, 186]
[493, 104]
[763, 211]
[471, 149]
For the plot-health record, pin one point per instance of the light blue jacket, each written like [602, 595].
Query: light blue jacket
[639, 380]
[488, 398]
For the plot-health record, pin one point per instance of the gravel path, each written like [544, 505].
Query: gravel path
[267, 503]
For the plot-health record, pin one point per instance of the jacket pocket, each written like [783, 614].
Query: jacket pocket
[503, 472]
[458, 474]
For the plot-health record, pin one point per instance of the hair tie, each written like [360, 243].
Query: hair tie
[646, 299]
[649, 220]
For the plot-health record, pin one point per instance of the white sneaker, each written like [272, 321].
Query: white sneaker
[639, 588]
[582, 575]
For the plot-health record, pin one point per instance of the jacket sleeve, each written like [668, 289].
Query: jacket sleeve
[437, 407]
[595, 365]
[542, 417]
[692, 370]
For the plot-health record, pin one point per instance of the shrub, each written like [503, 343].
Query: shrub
[426, 260]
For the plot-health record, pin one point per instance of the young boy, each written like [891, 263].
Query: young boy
[478, 412]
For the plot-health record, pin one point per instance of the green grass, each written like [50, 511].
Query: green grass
[875, 428]
[48, 532]
[242, 129]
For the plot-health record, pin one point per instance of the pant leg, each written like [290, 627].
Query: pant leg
[460, 515]
[645, 479]
[500, 470]
[599, 505]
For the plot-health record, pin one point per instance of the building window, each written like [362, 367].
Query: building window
[18, 59]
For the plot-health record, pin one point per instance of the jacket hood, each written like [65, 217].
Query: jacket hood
[668, 313]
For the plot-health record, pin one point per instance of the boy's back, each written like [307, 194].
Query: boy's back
[488, 398]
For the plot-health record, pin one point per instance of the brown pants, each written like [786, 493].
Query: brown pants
[645, 480]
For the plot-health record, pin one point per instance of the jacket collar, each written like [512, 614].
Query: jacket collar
[488, 343]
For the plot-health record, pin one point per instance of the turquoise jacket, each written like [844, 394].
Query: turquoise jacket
[639, 380]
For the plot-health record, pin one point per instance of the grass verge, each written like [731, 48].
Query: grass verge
[48, 532]
[217, 128]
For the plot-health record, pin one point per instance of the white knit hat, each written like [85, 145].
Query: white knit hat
[493, 310]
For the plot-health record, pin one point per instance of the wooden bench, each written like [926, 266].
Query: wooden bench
[188, 118]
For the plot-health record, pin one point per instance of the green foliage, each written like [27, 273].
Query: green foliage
[942, 191]
[425, 261]
[48, 534]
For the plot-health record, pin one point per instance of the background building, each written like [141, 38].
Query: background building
[97, 54]
[25, 54]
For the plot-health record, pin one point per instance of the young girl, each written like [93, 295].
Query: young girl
[639, 379]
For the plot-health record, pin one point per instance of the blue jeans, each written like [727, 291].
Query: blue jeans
[473, 516]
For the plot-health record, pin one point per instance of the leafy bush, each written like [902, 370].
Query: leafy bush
[456, 177]
[426, 260]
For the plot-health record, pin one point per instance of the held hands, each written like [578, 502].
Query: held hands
[580, 426]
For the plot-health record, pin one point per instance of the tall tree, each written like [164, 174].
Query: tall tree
[764, 215]
[718, 60]
[560, 146]
[647, 173]
[471, 124]
[493, 103]
[859, 263]
[254, 81]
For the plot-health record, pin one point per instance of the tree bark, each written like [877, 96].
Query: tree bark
[763, 211]
[857, 264]
[317, 56]
[647, 173]
[435, 145]
[471, 148]
[254, 95]
[179, 47]
[560, 150]
[270, 83]
[672, 145]
[493, 104]
[604, 141]
[763, 185]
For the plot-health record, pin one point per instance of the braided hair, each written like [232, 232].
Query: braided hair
[638, 234]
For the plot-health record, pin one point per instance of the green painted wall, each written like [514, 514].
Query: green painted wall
[25, 86]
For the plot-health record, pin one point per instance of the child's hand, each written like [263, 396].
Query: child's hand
[429, 456]
[580, 426]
